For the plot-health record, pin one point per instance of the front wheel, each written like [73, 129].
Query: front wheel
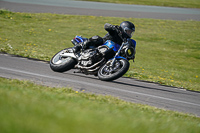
[62, 64]
[108, 73]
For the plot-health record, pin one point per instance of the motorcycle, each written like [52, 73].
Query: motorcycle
[109, 61]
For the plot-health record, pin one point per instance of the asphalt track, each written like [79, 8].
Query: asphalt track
[125, 88]
[100, 9]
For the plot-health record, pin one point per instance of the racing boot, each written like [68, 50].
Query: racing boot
[82, 46]
[76, 48]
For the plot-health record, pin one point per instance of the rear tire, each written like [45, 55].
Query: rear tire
[62, 64]
[105, 73]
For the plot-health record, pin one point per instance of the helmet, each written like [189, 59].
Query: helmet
[128, 28]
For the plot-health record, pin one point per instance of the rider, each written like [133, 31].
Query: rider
[115, 34]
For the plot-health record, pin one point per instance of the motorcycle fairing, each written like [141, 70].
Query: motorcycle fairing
[113, 45]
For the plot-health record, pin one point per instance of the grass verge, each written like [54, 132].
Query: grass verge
[30, 108]
[168, 52]
[170, 3]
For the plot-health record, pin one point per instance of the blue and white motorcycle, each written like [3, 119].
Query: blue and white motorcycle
[109, 61]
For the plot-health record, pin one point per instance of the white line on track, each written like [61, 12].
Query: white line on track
[96, 85]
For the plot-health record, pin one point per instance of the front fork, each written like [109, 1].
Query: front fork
[116, 55]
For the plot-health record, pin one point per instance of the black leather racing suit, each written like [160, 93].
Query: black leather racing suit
[113, 35]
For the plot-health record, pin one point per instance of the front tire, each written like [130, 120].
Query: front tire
[106, 73]
[62, 64]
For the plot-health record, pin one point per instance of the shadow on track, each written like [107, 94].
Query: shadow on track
[127, 84]
[154, 88]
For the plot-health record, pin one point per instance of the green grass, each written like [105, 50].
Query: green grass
[170, 3]
[167, 51]
[30, 108]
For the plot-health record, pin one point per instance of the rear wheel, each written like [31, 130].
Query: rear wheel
[62, 64]
[108, 73]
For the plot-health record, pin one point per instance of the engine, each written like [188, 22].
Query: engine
[93, 58]
[89, 57]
